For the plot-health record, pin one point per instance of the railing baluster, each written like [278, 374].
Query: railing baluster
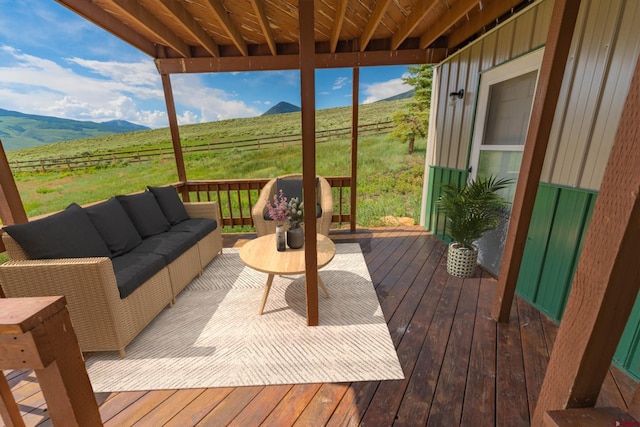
[224, 188]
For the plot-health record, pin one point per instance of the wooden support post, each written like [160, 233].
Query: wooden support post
[607, 279]
[9, 411]
[11, 207]
[36, 333]
[175, 133]
[354, 145]
[308, 103]
[563, 21]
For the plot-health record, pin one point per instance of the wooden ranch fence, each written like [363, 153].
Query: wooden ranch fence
[138, 156]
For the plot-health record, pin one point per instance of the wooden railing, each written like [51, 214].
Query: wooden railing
[236, 197]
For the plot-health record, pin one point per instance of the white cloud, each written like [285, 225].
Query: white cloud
[142, 73]
[213, 104]
[108, 90]
[382, 90]
[188, 118]
[40, 86]
[339, 83]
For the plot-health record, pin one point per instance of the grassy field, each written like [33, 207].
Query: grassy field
[389, 180]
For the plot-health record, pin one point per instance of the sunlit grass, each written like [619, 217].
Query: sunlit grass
[389, 179]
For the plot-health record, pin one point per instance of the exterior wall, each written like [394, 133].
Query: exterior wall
[604, 51]
[560, 219]
[453, 125]
[605, 48]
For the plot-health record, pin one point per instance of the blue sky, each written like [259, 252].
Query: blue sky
[55, 63]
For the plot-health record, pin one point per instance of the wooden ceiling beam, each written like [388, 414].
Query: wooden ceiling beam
[412, 21]
[136, 11]
[190, 25]
[341, 10]
[110, 23]
[450, 17]
[229, 27]
[373, 22]
[489, 13]
[291, 62]
[258, 8]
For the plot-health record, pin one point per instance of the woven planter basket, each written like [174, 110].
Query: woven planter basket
[461, 261]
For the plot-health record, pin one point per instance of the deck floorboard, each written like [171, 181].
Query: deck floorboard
[461, 368]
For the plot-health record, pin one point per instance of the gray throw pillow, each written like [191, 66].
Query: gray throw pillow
[66, 234]
[145, 213]
[170, 203]
[114, 225]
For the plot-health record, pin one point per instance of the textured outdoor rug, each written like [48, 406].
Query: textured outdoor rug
[214, 337]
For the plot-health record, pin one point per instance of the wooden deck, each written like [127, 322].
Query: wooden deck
[461, 367]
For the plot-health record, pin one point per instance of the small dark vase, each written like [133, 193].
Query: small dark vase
[295, 236]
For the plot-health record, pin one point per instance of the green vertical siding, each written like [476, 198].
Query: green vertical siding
[627, 356]
[438, 176]
[560, 218]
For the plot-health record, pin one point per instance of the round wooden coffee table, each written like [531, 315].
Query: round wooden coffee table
[261, 254]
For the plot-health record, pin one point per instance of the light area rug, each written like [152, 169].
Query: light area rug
[214, 337]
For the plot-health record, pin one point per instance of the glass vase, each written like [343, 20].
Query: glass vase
[280, 242]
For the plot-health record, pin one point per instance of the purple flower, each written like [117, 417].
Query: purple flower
[279, 210]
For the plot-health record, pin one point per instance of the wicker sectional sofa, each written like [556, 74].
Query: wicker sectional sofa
[117, 262]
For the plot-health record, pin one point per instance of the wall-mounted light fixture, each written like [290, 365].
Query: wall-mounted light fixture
[456, 95]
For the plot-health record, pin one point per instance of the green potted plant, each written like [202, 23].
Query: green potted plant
[470, 210]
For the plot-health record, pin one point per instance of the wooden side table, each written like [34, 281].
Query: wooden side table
[36, 333]
[261, 255]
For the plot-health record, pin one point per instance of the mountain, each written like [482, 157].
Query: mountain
[404, 95]
[281, 107]
[19, 130]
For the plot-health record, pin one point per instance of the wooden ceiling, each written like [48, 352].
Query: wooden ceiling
[242, 35]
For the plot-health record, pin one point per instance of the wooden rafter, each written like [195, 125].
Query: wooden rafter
[373, 22]
[417, 15]
[134, 10]
[258, 8]
[341, 9]
[189, 24]
[291, 62]
[490, 12]
[453, 14]
[110, 23]
[229, 27]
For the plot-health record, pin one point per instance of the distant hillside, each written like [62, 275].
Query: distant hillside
[19, 130]
[404, 95]
[281, 107]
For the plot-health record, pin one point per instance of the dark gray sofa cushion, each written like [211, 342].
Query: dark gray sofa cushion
[114, 225]
[145, 213]
[170, 203]
[198, 226]
[292, 187]
[170, 245]
[66, 234]
[134, 268]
